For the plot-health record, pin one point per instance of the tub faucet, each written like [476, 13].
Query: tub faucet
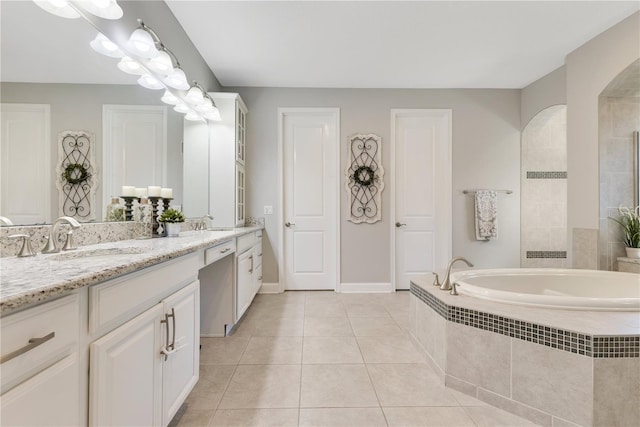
[5, 221]
[446, 284]
[52, 241]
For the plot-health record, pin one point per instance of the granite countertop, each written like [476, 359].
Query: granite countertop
[26, 281]
[601, 323]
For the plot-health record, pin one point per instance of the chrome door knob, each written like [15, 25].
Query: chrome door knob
[288, 224]
[400, 225]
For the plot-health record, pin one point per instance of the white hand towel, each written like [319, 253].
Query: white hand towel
[486, 214]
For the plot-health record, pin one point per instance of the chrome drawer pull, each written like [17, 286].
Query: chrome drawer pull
[224, 251]
[33, 343]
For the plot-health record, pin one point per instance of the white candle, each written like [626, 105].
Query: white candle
[141, 192]
[128, 191]
[166, 193]
[153, 191]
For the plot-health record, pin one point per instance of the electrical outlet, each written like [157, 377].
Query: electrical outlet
[268, 210]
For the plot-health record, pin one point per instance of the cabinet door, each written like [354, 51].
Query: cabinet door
[244, 292]
[240, 196]
[125, 379]
[51, 398]
[240, 133]
[180, 369]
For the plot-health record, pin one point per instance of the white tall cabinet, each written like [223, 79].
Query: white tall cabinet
[227, 141]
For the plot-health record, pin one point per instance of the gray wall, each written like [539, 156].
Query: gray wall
[486, 154]
[590, 68]
[544, 92]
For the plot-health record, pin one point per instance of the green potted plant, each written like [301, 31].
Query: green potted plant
[629, 220]
[171, 219]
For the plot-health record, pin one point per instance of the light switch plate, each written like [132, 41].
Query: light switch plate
[268, 210]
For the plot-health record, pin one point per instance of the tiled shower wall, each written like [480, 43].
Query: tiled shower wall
[544, 190]
[619, 118]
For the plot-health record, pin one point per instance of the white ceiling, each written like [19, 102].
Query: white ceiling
[379, 44]
[391, 44]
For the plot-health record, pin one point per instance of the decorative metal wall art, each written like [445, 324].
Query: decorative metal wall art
[77, 179]
[364, 178]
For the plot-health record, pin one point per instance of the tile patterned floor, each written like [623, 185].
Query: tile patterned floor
[326, 359]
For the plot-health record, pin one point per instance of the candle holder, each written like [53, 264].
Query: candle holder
[128, 207]
[154, 216]
[166, 202]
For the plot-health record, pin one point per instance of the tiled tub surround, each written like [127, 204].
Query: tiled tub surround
[544, 190]
[26, 281]
[554, 367]
[629, 265]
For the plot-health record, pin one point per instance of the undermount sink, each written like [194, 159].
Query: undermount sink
[93, 253]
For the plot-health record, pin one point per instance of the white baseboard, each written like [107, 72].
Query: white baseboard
[270, 288]
[382, 287]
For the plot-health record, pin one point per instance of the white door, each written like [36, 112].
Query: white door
[134, 147]
[421, 156]
[125, 375]
[25, 162]
[310, 183]
[180, 369]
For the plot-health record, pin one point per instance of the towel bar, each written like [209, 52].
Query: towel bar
[497, 191]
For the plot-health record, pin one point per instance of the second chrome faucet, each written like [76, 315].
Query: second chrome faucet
[446, 284]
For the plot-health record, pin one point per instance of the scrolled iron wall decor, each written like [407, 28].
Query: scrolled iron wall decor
[364, 178]
[76, 172]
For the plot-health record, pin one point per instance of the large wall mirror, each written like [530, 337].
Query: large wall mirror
[47, 61]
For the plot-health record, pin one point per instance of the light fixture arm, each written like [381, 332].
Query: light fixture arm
[149, 30]
[204, 93]
[173, 56]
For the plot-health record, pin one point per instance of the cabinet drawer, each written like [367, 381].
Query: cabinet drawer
[213, 254]
[245, 242]
[114, 302]
[60, 318]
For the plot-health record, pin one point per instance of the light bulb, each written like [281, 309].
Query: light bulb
[150, 82]
[104, 46]
[205, 107]
[131, 66]
[59, 8]
[141, 43]
[195, 96]
[161, 64]
[181, 107]
[169, 98]
[107, 9]
[177, 80]
[193, 116]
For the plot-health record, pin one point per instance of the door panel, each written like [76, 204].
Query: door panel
[26, 195]
[422, 144]
[310, 175]
[134, 147]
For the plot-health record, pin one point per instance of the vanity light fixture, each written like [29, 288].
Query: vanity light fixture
[131, 66]
[150, 82]
[107, 9]
[181, 107]
[106, 47]
[169, 98]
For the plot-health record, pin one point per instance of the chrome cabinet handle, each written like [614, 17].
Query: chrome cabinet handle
[288, 224]
[251, 259]
[33, 343]
[224, 251]
[400, 225]
[168, 349]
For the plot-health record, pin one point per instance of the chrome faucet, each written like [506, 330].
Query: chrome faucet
[52, 241]
[5, 221]
[202, 224]
[446, 284]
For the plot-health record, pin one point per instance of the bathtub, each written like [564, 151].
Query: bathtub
[553, 288]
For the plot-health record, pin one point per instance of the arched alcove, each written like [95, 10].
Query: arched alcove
[618, 120]
[543, 222]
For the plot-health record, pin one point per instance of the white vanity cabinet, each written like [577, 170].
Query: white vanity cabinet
[142, 371]
[40, 368]
[248, 270]
[227, 162]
